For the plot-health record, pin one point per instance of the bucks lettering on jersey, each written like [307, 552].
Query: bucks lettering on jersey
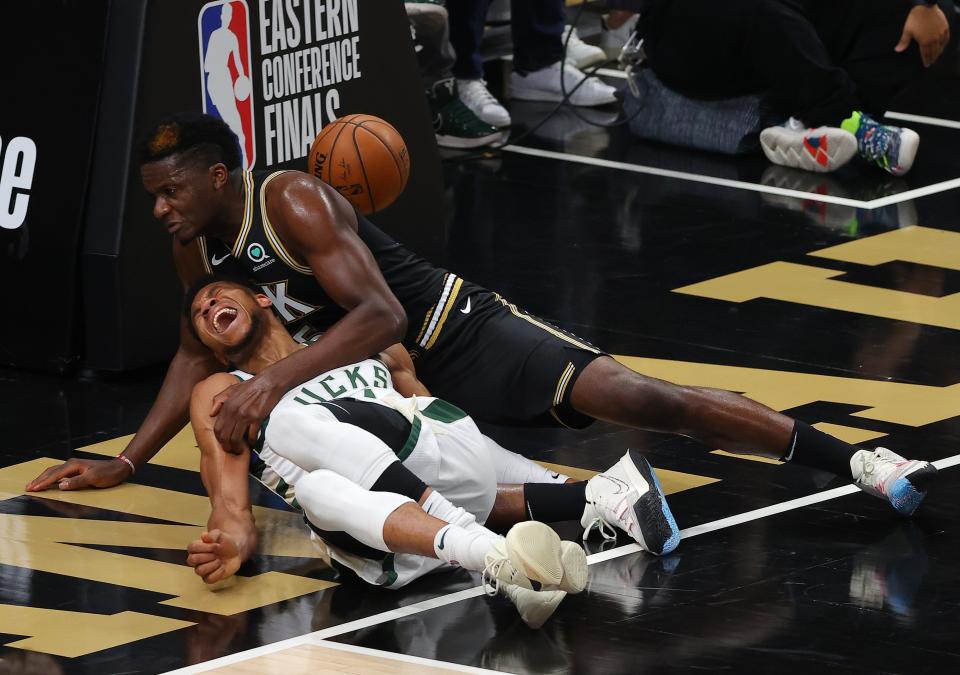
[368, 379]
[299, 301]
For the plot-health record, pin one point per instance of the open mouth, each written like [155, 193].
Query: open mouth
[224, 318]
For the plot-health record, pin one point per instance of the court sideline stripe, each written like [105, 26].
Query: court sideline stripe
[683, 175]
[922, 119]
[739, 184]
[320, 636]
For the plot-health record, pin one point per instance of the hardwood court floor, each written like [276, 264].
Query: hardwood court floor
[842, 315]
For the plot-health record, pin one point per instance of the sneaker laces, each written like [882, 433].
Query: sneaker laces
[605, 529]
[491, 576]
[876, 470]
[875, 140]
[476, 92]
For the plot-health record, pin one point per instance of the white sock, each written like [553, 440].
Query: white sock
[467, 548]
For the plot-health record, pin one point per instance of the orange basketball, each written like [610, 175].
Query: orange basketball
[364, 158]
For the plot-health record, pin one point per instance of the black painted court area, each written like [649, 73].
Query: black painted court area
[844, 585]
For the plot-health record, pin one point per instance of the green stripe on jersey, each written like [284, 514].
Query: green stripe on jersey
[412, 439]
[443, 412]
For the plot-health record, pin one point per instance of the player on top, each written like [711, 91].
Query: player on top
[328, 269]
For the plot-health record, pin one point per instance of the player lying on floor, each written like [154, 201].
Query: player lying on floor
[396, 487]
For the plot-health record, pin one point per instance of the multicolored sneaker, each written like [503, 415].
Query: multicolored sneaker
[628, 496]
[891, 148]
[823, 149]
[885, 474]
[454, 124]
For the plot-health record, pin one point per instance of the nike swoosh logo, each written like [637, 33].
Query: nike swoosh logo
[216, 261]
[555, 476]
[466, 308]
[440, 545]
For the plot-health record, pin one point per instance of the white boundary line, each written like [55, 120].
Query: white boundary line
[923, 119]
[742, 185]
[683, 175]
[320, 636]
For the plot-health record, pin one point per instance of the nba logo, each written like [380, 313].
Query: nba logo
[224, 29]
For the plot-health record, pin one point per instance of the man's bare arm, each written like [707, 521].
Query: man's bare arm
[402, 372]
[231, 536]
[317, 226]
[169, 413]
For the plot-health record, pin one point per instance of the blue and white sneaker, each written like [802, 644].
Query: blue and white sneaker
[885, 474]
[628, 496]
[891, 148]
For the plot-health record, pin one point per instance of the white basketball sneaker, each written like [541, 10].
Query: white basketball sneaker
[544, 85]
[823, 149]
[477, 97]
[533, 557]
[535, 607]
[885, 474]
[579, 53]
[628, 496]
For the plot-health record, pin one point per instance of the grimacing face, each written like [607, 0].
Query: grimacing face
[224, 314]
[184, 196]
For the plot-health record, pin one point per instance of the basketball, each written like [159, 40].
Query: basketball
[364, 158]
[241, 88]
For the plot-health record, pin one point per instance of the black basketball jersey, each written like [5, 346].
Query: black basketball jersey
[299, 301]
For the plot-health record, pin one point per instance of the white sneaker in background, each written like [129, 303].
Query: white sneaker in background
[612, 40]
[885, 474]
[579, 53]
[544, 85]
[823, 149]
[477, 97]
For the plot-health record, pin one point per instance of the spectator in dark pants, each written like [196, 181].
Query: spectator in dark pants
[454, 124]
[827, 64]
[538, 63]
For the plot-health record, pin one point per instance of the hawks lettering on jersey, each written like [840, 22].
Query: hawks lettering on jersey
[286, 306]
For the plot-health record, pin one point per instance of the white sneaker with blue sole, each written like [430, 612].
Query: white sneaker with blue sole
[885, 474]
[628, 496]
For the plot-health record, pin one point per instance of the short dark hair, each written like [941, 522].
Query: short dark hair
[194, 289]
[203, 138]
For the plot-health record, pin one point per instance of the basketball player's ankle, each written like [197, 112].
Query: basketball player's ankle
[464, 548]
[817, 450]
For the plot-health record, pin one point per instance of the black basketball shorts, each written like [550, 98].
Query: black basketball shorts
[501, 364]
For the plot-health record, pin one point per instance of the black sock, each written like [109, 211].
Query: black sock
[811, 447]
[550, 502]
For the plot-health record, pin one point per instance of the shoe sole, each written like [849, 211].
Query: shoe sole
[788, 149]
[658, 528]
[459, 142]
[907, 492]
[575, 572]
[538, 608]
[535, 551]
[909, 144]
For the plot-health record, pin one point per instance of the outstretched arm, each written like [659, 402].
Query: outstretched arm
[231, 536]
[319, 228]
